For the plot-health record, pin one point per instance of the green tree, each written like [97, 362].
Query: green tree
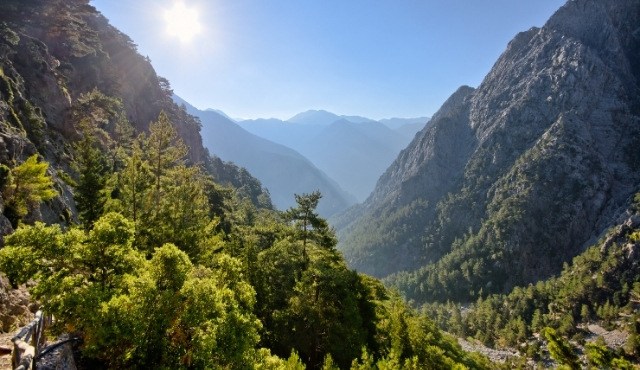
[309, 225]
[560, 350]
[165, 151]
[585, 313]
[106, 117]
[168, 201]
[129, 188]
[185, 316]
[598, 354]
[323, 314]
[91, 165]
[75, 271]
[25, 187]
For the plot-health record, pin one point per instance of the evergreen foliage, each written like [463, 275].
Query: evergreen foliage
[600, 286]
[176, 271]
[24, 187]
[91, 166]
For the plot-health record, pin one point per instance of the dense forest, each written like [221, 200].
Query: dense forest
[600, 286]
[168, 269]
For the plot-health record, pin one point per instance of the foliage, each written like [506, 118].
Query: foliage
[599, 286]
[25, 186]
[185, 274]
[167, 200]
[91, 166]
[308, 222]
[560, 350]
[75, 270]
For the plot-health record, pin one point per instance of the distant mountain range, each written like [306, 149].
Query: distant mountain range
[352, 150]
[282, 170]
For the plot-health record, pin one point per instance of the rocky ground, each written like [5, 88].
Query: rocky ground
[5, 343]
[614, 338]
[15, 306]
[495, 355]
[16, 310]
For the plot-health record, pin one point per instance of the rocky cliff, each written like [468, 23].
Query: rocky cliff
[511, 179]
[51, 54]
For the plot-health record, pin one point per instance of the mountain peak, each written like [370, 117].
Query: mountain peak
[314, 117]
[324, 118]
[512, 179]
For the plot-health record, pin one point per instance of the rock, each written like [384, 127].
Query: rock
[14, 306]
[60, 358]
[516, 177]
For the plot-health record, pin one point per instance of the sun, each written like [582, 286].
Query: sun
[182, 22]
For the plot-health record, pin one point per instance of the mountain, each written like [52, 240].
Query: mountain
[514, 178]
[60, 60]
[282, 170]
[216, 111]
[354, 154]
[174, 264]
[323, 118]
[406, 126]
[288, 134]
[352, 150]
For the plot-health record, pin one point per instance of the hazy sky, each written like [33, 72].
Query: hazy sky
[375, 58]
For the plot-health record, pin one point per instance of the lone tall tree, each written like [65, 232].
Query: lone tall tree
[309, 224]
[91, 165]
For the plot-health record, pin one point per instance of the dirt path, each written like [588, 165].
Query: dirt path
[5, 341]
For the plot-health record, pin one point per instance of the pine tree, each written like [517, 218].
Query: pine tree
[90, 163]
[25, 187]
[165, 151]
[310, 226]
[560, 350]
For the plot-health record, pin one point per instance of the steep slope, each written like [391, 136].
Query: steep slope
[512, 179]
[354, 151]
[52, 53]
[282, 170]
[408, 127]
[354, 154]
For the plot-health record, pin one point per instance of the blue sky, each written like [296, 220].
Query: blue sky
[374, 58]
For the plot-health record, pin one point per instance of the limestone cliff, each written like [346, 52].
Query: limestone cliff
[511, 179]
[53, 52]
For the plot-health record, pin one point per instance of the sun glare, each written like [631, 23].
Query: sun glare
[182, 22]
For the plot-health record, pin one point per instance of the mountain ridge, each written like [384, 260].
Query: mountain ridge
[352, 150]
[69, 54]
[544, 156]
[282, 170]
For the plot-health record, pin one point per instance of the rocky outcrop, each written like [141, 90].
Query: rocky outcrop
[51, 54]
[15, 306]
[515, 177]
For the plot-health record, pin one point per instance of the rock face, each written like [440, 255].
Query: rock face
[51, 54]
[15, 306]
[513, 178]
